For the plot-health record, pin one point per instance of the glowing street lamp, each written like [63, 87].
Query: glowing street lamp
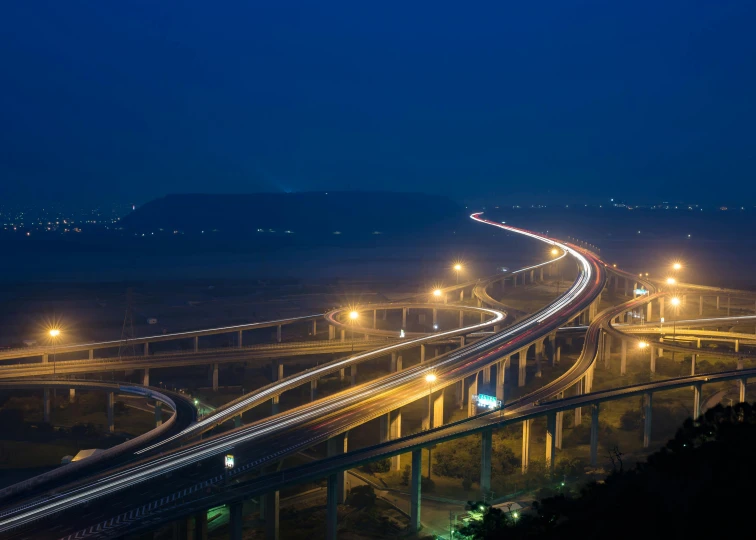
[54, 335]
[642, 345]
[353, 316]
[555, 252]
[430, 378]
[677, 266]
[675, 302]
[437, 293]
[457, 269]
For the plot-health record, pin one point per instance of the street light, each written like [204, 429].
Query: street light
[430, 378]
[675, 302]
[554, 251]
[677, 266]
[671, 281]
[54, 334]
[437, 293]
[457, 269]
[642, 345]
[353, 316]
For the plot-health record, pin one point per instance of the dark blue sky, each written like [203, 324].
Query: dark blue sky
[515, 102]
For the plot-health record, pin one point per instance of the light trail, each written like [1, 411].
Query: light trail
[221, 444]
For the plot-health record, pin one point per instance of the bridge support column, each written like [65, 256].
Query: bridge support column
[422, 353]
[717, 303]
[146, 349]
[538, 357]
[200, 525]
[438, 409]
[196, 345]
[501, 378]
[461, 318]
[742, 387]
[238, 421]
[146, 377]
[486, 450]
[661, 307]
[653, 358]
[415, 496]
[461, 294]
[606, 349]
[532, 276]
[46, 405]
[551, 423]
[314, 328]
[277, 370]
[728, 306]
[435, 317]
[588, 384]
[649, 311]
[559, 426]
[740, 363]
[158, 413]
[110, 397]
[693, 359]
[395, 432]
[526, 425]
[647, 410]
[278, 334]
[240, 339]
[578, 411]
[313, 389]
[396, 362]
[272, 507]
[332, 507]
[700, 305]
[331, 332]
[486, 377]
[338, 445]
[375, 318]
[558, 354]
[696, 401]
[404, 318]
[343, 335]
[215, 377]
[541, 274]
[594, 433]
[353, 372]
[737, 345]
[91, 354]
[521, 366]
[72, 395]
[623, 358]
[471, 384]
[235, 520]
[553, 348]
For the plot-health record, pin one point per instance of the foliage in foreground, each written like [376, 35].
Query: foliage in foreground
[699, 485]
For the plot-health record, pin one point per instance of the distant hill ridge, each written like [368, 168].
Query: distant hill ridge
[301, 213]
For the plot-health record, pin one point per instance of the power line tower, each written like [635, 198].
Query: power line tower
[127, 347]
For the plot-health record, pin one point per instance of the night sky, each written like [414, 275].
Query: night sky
[517, 102]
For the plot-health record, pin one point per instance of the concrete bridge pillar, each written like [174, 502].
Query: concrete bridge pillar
[700, 305]
[395, 432]
[422, 353]
[331, 332]
[277, 372]
[578, 411]
[558, 354]
[471, 384]
[693, 359]
[486, 377]
[353, 372]
[717, 303]
[72, 395]
[343, 335]
[438, 408]
[649, 311]
[606, 349]
[553, 348]
[404, 318]
[271, 510]
[91, 354]
[46, 405]
[623, 357]
[158, 413]
[215, 377]
[594, 433]
[588, 384]
[539, 357]
[661, 351]
[737, 345]
[541, 273]
[696, 401]
[147, 349]
[742, 387]
[278, 334]
[526, 425]
[332, 507]
[238, 421]
[313, 389]
[415, 495]
[435, 316]
[532, 276]
[461, 318]
[462, 341]
[501, 378]
[375, 318]
[200, 525]
[521, 366]
[559, 426]
[728, 306]
[461, 294]
[146, 377]
[384, 314]
[110, 402]
[396, 362]
[653, 359]
[196, 344]
[486, 451]
[647, 410]
[235, 520]
[314, 327]
[661, 307]
[240, 339]
[338, 445]
[551, 440]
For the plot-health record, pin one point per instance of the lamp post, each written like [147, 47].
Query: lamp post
[54, 334]
[675, 301]
[457, 269]
[353, 316]
[554, 253]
